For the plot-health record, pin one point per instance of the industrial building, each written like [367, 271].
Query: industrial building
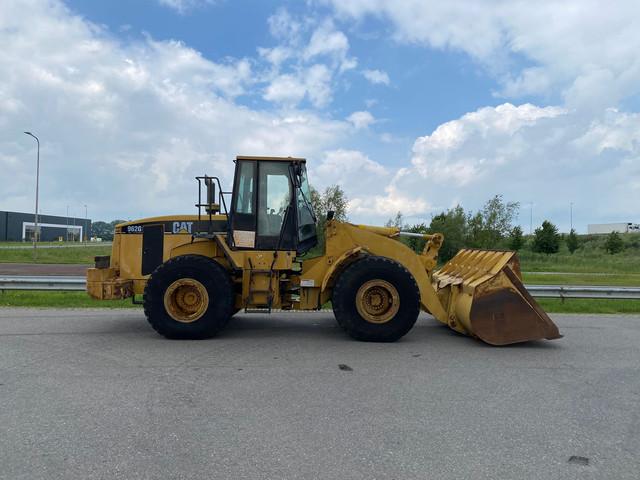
[622, 227]
[19, 227]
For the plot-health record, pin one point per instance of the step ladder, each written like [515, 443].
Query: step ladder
[250, 305]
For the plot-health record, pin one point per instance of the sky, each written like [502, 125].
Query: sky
[412, 106]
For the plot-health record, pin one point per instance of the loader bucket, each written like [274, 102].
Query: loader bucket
[483, 293]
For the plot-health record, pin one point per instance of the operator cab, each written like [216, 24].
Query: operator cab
[271, 205]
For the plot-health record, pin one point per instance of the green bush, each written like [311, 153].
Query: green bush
[572, 241]
[516, 240]
[614, 243]
[546, 238]
[453, 225]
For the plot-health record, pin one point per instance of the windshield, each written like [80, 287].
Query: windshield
[306, 216]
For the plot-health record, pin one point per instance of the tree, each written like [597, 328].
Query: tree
[397, 221]
[572, 241]
[614, 243]
[453, 225]
[516, 241]
[416, 244]
[102, 230]
[333, 198]
[493, 223]
[546, 238]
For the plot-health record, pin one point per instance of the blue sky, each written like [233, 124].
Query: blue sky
[412, 106]
[429, 86]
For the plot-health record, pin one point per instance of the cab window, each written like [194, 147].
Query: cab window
[274, 190]
[244, 201]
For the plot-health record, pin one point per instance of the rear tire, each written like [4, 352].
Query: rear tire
[189, 297]
[376, 300]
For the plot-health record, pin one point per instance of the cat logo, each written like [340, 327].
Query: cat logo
[182, 227]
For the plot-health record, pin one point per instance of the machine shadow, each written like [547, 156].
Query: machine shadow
[304, 326]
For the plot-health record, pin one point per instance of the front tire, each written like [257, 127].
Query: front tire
[189, 297]
[376, 300]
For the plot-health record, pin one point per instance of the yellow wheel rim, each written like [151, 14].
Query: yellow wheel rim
[377, 301]
[186, 300]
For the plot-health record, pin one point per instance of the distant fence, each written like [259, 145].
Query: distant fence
[64, 283]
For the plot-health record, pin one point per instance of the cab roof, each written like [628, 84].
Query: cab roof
[273, 159]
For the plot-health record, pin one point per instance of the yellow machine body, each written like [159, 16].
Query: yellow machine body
[478, 292]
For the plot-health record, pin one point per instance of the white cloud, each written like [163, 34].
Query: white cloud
[573, 50]
[376, 76]
[286, 89]
[186, 67]
[126, 126]
[313, 83]
[387, 137]
[614, 131]
[317, 79]
[276, 55]
[361, 119]
[184, 6]
[348, 163]
[369, 198]
[438, 155]
[582, 48]
[284, 26]
[326, 40]
[307, 63]
[549, 155]
[385, 206]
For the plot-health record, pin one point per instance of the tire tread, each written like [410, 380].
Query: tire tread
[343, 301]
[206, 327]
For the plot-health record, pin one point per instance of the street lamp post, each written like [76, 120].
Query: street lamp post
[84, 229]
[35, 232]
[571, 214]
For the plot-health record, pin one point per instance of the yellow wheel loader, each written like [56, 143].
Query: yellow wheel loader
[196, 271]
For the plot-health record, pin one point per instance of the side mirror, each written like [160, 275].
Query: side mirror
[211, 190]
[211, 207]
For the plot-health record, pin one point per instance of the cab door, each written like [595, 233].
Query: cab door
[276, 211]
[263, 215]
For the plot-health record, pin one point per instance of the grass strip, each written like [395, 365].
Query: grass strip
[589, 305]
[20, 298]
[64, 255]
[580, 262]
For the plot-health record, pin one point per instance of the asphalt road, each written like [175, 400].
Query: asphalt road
[96, 394]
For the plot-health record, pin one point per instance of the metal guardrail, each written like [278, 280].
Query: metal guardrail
[68, 283]
[583, 291]
[53, 283]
